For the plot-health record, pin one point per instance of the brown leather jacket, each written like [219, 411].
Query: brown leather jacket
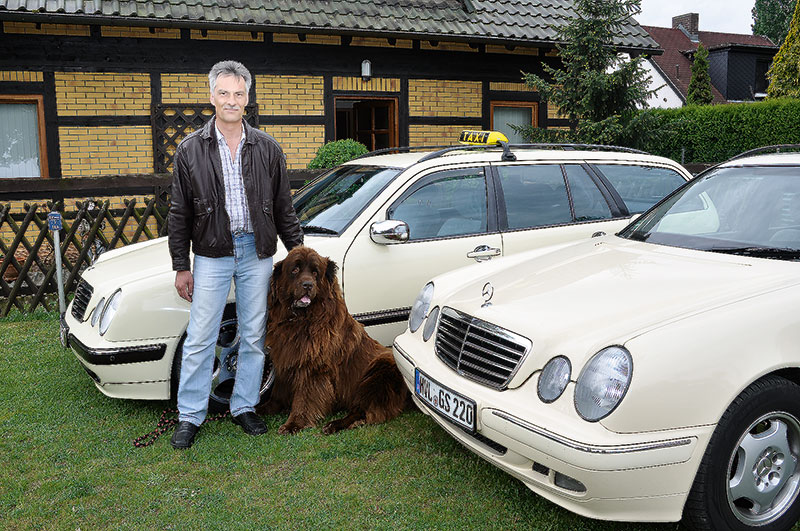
[197, 206]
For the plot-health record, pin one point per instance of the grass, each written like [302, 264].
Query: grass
[67, 462]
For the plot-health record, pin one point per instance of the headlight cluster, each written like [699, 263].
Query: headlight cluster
[105, 310]
[600, 387]
[419, 311]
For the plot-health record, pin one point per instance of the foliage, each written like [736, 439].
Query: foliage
[596, 89]
[67, 462]
[714, 133]
[771, 18]
[700, 84]
[334, 153]
[784, 74]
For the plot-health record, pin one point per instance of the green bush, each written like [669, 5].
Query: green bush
[338, 152]
[714, 133]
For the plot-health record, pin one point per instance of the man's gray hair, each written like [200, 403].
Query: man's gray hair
[229, 68]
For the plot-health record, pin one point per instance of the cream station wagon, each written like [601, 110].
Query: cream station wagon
[649, 375]
[390, 221]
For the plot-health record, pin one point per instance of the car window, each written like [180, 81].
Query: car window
[535, 195]
[329, 204]
[587, 200]
[447, 203]
[641, 186]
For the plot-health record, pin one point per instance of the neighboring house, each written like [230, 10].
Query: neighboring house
[98, 88]
[737, 63]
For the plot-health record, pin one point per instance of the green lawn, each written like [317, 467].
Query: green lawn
[67, 462]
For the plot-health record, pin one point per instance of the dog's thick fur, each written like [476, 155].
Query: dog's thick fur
[324, 360]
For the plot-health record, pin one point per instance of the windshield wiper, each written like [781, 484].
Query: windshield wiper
[315, 229]
[760, 252]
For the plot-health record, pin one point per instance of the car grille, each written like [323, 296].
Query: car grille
[478, 350]
[82, 295]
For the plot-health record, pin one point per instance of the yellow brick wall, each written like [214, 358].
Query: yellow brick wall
[554, 112]
[514, 87]
[381, 43]
[294, 38]
[447, 46]
[185, 88]
[221, 35]
[444, 98]
[376, 84]
[436, 135]
[46, 29]
[95, 151]
[299, 142]
[303, 95]
[6, 75]
[140, 32]
[518, 50]
[87, 94]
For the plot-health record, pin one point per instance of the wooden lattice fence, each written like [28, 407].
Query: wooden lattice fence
[27, 264]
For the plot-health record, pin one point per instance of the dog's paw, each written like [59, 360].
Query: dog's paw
[290, 428]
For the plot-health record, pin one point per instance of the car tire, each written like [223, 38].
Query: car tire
[750, 473]
[224, 371]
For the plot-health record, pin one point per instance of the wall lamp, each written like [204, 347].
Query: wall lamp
[366, 70]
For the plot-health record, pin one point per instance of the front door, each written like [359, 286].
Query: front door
[373, 122]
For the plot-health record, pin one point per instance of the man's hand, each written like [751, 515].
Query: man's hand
[184, 283]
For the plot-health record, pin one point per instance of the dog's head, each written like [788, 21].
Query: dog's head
[302, 278]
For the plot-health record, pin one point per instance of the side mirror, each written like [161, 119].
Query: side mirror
[389, 231]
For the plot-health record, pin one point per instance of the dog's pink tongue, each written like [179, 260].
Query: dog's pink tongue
[306, 299]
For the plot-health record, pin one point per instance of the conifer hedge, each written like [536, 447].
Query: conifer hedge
[714, 133]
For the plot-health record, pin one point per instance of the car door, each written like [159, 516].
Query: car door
[548, 204]
[452, 219]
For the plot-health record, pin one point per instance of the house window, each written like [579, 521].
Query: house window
[508, 113]
[761, 83]
[371, 121]
[22, 139]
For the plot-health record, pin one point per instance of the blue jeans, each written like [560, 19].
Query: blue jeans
[212, 282]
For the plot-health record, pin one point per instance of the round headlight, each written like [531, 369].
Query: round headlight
[430, 324]
[420, 308]
[603, 383]
[554, 379]
[109, 311]
[97, 311]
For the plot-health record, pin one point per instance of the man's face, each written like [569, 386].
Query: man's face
[229, 98]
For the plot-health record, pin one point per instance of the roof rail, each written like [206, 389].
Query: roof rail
[507, 155]
[766, 149]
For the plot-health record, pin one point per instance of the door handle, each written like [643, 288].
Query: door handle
[483, 253]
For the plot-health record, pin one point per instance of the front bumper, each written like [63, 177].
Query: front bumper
[600, 474]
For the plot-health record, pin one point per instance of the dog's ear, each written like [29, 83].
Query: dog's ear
[330, 270]
[277, 268]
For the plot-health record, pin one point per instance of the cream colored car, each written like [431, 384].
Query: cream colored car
[391, 222]
[643, 376]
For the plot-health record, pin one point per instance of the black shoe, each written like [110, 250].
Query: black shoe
[184, 435]
[250, 423]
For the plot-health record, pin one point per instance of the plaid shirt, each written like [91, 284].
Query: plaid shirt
[235, 198]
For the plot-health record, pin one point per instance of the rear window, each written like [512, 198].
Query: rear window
[641, 186]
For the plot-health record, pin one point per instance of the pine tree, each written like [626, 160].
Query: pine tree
[596, 88]
[784, 74]
[700, 84]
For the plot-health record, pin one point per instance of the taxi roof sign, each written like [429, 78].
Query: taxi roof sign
[482, 138]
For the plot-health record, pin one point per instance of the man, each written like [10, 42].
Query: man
[230, 198]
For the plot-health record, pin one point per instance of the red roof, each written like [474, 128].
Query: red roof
[676, 65]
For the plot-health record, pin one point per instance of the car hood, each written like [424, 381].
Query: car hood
[604, 291]
[151, 258]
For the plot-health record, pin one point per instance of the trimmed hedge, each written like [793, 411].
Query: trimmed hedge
[714, 133]
[338, 152]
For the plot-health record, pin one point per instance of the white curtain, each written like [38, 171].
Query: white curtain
[19, 140]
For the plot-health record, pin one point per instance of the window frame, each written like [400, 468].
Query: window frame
[532, 105]
[38, 100]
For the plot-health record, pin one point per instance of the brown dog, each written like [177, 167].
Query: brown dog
[324, 360]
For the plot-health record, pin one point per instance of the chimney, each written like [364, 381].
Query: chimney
[689, 23]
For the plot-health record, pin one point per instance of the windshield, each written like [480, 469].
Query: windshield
[752, 211]
[330, 203]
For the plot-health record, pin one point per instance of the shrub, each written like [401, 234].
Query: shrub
[334, 153]
[714, 133]
[784, 74]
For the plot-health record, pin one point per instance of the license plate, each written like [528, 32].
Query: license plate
[456, 408]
